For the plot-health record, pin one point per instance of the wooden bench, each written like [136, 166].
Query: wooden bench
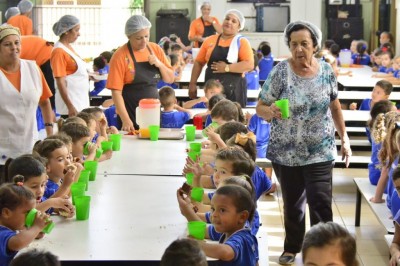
[381, 211]
[355, 162]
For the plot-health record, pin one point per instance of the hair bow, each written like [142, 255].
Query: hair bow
[384, 49]
[242, 139]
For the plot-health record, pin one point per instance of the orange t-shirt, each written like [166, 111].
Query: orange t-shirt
[122, 69]
[35, 48]
[15, 79]
[245, 52]
[22, 22]
[197, 28]
[62, 63]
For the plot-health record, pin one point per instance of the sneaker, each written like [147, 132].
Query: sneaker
[287, 258]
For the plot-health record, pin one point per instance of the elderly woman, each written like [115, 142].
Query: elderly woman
[228, 56]
[22, 89]
[135, 69]
[23, 20]
[302, 148]
[204, 26]
[69, 70]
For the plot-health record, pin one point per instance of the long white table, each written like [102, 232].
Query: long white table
[361, 78]
[361, 95]
[145, 157]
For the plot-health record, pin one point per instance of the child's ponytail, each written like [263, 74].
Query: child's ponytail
[14, 194]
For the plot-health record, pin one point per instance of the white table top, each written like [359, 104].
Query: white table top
[187, 73]
[361, 77]
[361, 95]
[145, 157]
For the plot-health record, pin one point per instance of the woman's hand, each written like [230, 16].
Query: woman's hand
[218, 67]
[275, 112]
[394, 259]
[192, 90]
[127, 126]
[72, 111]
[346, 150]
[153, 60]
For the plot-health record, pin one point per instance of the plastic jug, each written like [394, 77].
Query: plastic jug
[148, 113]
[345, 58]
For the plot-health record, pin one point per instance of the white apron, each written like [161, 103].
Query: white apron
[18, 130]
[77, 85]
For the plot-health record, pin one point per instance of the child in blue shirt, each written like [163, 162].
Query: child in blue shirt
[232, 207]
[384, 69]
[266, 63]
[101, 68]
[174, 59]
[15, 202]
[361, 57]
[252, 78]
[172, 116]
[211, 88]
[381, 91]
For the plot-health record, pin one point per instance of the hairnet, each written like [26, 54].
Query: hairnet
[64, 24]
[136, 23]
[314, 30]
[237, 14]
[205, 3]
[25, 6]
[6, 30]
[12, 11]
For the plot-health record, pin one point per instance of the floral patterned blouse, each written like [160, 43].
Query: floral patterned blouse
[308, 135]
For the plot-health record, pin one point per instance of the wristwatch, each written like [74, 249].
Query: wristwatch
[48, 124]
[227, 68]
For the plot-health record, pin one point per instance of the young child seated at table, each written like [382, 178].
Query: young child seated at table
[179, 52]
[15, 202]
[353, 46]
[80, 135]
[232, 206]
[102, 126]
[384, 69]
[174, 60]
[35, 257]
[266, 63]
[376, 59]
[211, 88]
[381, 91]
[361, 57]
[172, 115]
[252, 79]
[60, 169]
[99, 67]
[35, 179]
[184, 252]
[329, 244]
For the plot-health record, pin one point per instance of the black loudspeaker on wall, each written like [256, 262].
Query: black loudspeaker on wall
[343, 31]
[169, 25]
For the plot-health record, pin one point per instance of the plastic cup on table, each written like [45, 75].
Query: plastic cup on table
[198, 122]
[92, 167]
[77, 189]
[84, 178]
[190, 133]
[106, 145]
[189, 178]
[197, 194]
[154, 131]
[197, 229]
[195, 146]
[30, 219]
[283, 105]
[82, 205]
[116, 140]
[213, 124]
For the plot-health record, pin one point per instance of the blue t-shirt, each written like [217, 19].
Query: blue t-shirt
[6, 254]
[245, 246]
[373, 167]
[51, 188]
[111, 116]
[361, 59]
[200, 105]
[261, 129]
[390, 189]
[39, 119]
[252, 79]
[208, 121]
[366, 106]
[265, 65]
[101, 84]
[385, 69]
[261, 182]
[174, 119]
[396, 74]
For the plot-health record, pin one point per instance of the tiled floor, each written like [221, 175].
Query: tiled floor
[372, 249]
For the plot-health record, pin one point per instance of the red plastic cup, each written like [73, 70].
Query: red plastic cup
[198, 122]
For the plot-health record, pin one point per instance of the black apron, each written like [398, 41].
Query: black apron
[208, 31]
[235, 86]
[143, 86]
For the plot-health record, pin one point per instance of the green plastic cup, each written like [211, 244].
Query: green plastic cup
[189, 178]
[82, 206]
[30, 219]
[197, 229]
[194, 155]
[190, 133]
[92, 167]
[154, 130]
[106, 145]
[77, 189]
[213, 124]
[116, 140]
[84, 178]
[86, 148]
[195, 146]
[283, 105]
[197, 194]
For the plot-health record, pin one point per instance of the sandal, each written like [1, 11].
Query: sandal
[287, 259]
